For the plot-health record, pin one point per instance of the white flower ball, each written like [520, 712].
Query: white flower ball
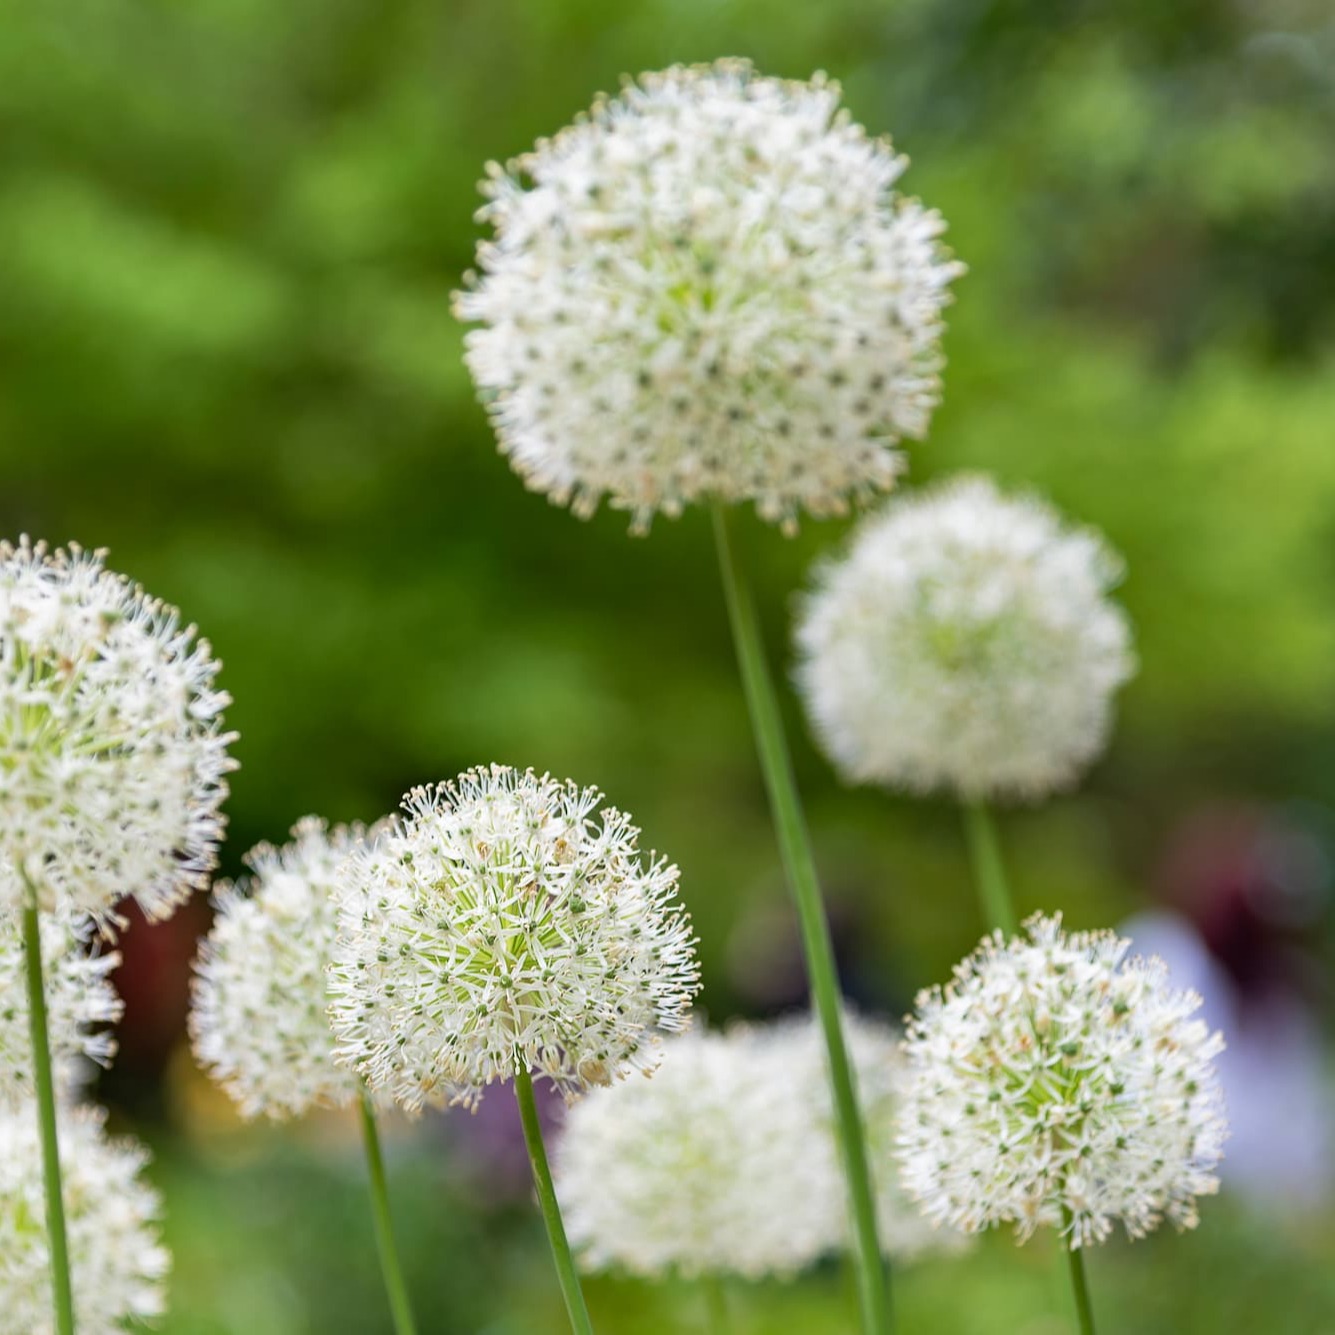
[118, 1265]
[260, 1018]
[504, 926]
[705, 1169]
[112, 754]
[966, 642]
[80, 1004]
[727, 1162]
[1056, 1083]
[708, 287]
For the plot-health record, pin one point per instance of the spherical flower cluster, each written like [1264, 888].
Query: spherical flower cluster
[112, 753]
[117, 1262]
[504, 926]
[708, 287]
[966, 642]
[1057, 1082]
[80, 1004]
[726, 1161]
[260, 1019]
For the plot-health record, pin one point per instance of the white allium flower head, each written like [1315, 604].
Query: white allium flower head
[507, 924]
[708, 286]
[260, 1018]
[118, 1265]
[1057, 1082]
[965, 642]
[112, 754]
[727, 1161]
[80, 1004]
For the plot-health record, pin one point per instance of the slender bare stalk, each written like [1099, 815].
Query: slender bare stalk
[62, 1291]
[800, 864]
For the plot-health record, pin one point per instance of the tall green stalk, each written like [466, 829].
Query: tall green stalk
[395, 1287]
[716, 1305]
[551, 1211]
[1084, 1311]
[989, 871]
[800, 865]
[62, 1292]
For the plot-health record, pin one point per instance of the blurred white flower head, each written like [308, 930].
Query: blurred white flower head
[1055, 1082]
[112, 752]
[726, 1161]
[260, 1017]
[118, 1265]
[80, 1004]
[706, 287]
[965, 642]
[507, 924]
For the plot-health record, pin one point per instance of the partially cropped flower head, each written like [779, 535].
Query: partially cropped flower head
[260, 1019]
[80, 1005]
[118, 1265]
[965, 642]
[1058, 1082]
[708, 286]
[726, 1161]
[506, 923]
[112, 751]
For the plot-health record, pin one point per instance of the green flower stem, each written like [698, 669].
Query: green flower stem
[46, 1115]
[719, 1321]
[1084, 1312]
[395, 1288]
[551, 1211]
[800, 865]
[988, 869]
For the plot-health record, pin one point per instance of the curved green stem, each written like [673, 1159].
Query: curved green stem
[63, 1293]
[551, 1211]
[395, 1287]
[1084, 1311]
[988, 869]
[800, 865]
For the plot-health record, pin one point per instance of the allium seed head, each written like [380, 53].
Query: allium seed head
[726, 1161]
[112, 753]
[708, 287]
[965, 642]
[80, 1004]
[260, 1019]
[505, 924]
[118, 1265]
[1056, 1082]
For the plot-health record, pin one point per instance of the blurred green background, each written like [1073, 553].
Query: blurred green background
[229, 231]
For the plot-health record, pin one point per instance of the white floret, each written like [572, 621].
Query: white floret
[81, 1005]
[118, 1265]
[708, 287]
[260, 1017]
[1057, 1083]
[113, 758]
[965, 642]
[505, 924]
